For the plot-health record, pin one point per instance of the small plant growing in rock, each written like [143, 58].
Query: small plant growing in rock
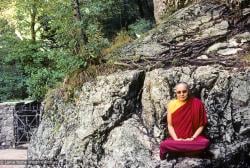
[176, 62]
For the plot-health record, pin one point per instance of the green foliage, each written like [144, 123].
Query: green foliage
[43, 66]
[139, 27]
[42, 41]
[12, 80]
[12, 83]
[96, 43]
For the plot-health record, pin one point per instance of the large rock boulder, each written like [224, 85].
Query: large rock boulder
[118, 120]
[226, 97]
[81, 129]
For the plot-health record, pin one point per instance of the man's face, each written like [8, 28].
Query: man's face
[181, 92]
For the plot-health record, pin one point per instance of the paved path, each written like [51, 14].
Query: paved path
[13, 154]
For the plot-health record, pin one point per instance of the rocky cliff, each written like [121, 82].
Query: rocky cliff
[202, 34]
[119, 120]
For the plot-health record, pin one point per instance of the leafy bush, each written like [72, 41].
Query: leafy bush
[42, 80]
[95, 45]
[44, 41]
[139, 27]
[43, 67]
[12, 82]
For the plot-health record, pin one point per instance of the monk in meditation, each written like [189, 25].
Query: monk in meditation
[186, 120]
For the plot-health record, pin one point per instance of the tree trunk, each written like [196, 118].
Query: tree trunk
[149, 9]
[125, 7]
[78, 18]
[33, 13]
[140, 6]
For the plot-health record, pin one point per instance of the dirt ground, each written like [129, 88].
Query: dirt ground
[12, 154]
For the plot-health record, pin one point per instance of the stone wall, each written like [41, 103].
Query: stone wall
[6, 124]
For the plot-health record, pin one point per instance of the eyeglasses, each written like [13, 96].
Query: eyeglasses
[183, 91]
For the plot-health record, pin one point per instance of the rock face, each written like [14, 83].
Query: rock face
[118, 120]
[161, 7]
[203, 30]
[222, 94]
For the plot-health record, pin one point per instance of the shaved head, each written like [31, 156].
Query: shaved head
[182, 84]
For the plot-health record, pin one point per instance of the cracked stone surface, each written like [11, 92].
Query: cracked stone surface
[119, 120]
[205, 28]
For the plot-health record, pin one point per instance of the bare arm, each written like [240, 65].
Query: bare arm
[196, 134]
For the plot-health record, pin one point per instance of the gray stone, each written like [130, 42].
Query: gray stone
[229, 51]
[216, 30]
[128, 146]
[243, 37]
[217, 46]
[202, 57]
[120, 136]
[150, 49]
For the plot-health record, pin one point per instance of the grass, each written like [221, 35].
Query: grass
[246, 58]
[120, 40]
[75, 80]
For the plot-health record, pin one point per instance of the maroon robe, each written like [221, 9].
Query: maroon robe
[186, 120]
